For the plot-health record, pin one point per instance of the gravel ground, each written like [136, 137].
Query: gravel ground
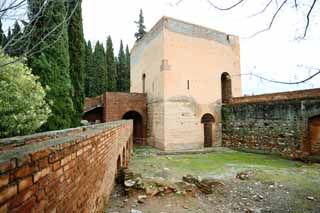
[272, 184]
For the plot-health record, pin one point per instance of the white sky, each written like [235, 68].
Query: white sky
[274, 54]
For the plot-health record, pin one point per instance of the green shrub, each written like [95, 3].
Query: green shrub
[23, 108]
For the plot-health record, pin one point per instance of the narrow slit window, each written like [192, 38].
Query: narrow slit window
[188, 85]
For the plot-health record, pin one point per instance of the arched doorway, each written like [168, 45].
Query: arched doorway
[226, 87]
[313, 146]
[207, 120]
[137, 126]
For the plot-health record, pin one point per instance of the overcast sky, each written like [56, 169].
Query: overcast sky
[275, 54]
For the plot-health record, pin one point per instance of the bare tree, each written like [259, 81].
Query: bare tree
[17, 10]
[307, 7]
[304, 8]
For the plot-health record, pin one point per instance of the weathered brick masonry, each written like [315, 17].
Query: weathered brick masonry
[119, 105]
[113, 106]
[283, 123]
[64, 171]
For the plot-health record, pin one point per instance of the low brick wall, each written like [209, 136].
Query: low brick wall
[276, 123]
[63, 171]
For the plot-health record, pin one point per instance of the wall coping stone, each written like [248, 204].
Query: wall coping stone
[59, 137]
[281, 96]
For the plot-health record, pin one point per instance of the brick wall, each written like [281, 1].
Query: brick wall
[117, 104]
[272, 124]
[64, 171]
[93, 102]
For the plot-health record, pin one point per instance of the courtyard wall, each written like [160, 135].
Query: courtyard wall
[274, 123]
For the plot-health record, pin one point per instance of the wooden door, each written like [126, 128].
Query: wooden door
[207, 134]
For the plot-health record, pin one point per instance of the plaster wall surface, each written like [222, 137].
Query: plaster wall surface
[183, 64]
[146, 58]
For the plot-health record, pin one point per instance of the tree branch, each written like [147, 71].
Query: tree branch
[272, 20]
[308, 18]
[226, 8]
[263, 10]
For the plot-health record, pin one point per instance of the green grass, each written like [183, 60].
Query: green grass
[300, 179]
[226, 164]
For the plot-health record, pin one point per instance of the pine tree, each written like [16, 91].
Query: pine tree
[89, 74]
[99, 70]
[111, 67]
[50, 60]
[141, 27]
[77, 57]
[121, 69]
[127, 70]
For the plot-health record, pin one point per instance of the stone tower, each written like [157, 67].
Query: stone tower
[187, 72]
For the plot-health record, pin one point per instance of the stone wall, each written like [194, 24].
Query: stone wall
[273, 123]
[63, 171]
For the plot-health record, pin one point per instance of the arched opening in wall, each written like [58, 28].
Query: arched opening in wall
[137, 126]
[207, 120]
[94, 115]
[118, 165]
[143, 83]
[313, 145]
[124, 158]
[226, 87]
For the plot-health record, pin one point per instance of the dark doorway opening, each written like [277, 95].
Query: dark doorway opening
[137, 126]
[94, 116]
[207, 120]
[313, 145]
[226, 87]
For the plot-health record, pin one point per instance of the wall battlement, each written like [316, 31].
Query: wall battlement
[281, 96]
[63, 171]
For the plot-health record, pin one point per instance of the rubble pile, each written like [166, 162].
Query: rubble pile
[206, 186]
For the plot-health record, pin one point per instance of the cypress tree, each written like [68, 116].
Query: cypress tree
[127, 70]
[100, 70]
[77, 57]
[89, 74]
[141, 27]
[2, 35]
[116, 61]
[50, 60]
[111, 67]
[121, 69]
[5, 41]
[15, 47]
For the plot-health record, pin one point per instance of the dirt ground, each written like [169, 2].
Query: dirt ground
[272, 184]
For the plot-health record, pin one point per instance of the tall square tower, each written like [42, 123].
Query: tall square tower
[187, 72]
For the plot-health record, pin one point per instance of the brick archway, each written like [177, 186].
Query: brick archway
[137, 126]
[116, 104]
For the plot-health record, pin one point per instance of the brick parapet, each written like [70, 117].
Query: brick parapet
[67, 171]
